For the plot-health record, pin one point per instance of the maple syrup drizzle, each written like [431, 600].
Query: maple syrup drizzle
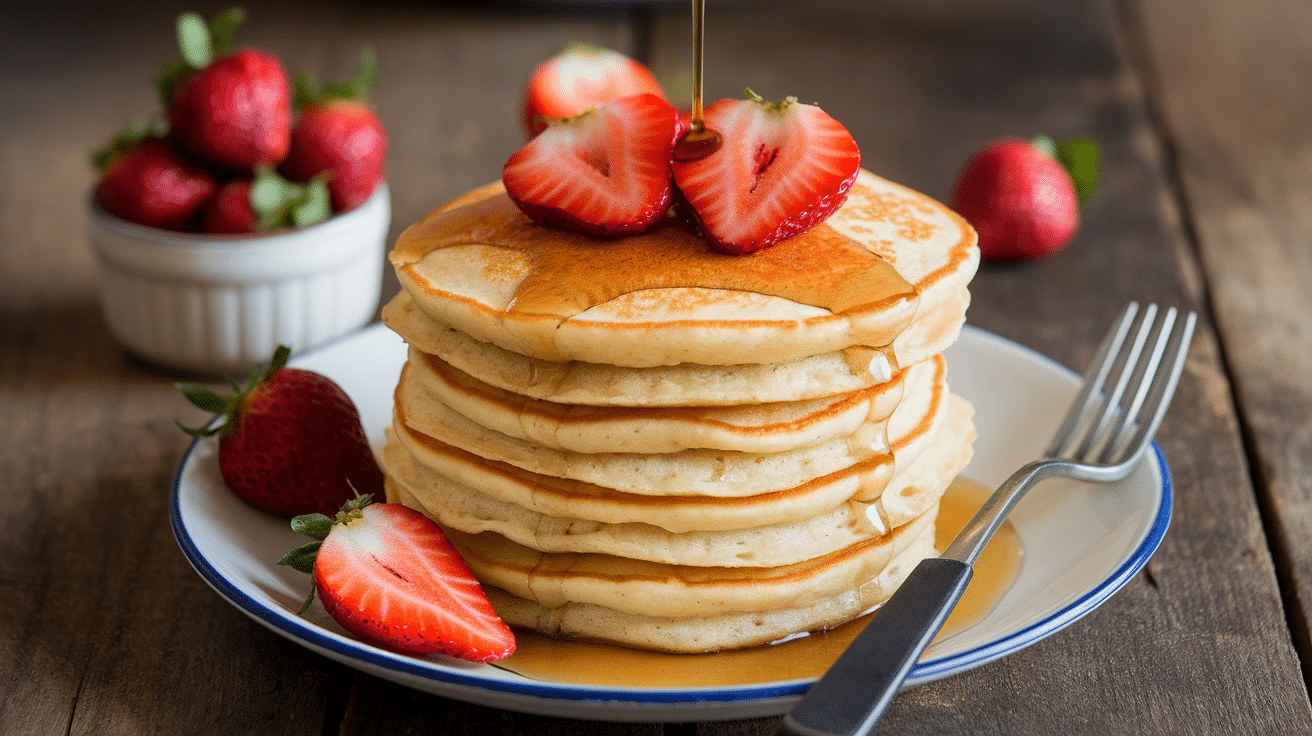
[569, 273]
[543, 658]
[698, 142]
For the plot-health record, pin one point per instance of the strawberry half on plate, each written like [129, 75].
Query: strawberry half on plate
[605, 172]
[388, 574]
[782, 168]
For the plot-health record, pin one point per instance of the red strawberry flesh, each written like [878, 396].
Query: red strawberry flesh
[392, 577]
[781, 169]
[605, 172]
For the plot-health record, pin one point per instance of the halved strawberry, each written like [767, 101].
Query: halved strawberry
[578, 79]
[605, 172]
[783, 167]
[388, 574]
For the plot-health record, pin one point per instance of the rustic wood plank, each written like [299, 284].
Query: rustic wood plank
[105, 623]
[923, 84]
[1240, 113]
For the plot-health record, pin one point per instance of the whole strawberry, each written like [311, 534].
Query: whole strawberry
[150, 184]
[291, 441]
[579, 78]
[231, 109]
[388, 575]
[1021, 199]
[338, 133]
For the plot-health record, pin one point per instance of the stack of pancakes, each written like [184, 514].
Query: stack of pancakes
[645, 442]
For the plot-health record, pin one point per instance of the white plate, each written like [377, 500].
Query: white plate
[1082, 542]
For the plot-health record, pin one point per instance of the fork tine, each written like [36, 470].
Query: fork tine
[1153, 411]
[1140, 384]
[1094, 378]
[1123, 368]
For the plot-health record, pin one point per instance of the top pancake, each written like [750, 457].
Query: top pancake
[478, 265]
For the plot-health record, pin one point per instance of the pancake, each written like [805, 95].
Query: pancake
[686, 472]
[660, 589]
[643, 441]
[479, 266]
[697, 633]
[913, 490]
[686, 384]
[758, 428]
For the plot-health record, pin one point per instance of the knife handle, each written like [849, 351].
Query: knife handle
[852, 695]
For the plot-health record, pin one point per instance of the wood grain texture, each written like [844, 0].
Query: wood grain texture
[1205, 137]
[922, 84]
[1240, 114]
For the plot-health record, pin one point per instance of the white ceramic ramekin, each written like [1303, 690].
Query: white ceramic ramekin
[223, 303]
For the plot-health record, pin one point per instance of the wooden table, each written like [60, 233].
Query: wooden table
[1204, 118]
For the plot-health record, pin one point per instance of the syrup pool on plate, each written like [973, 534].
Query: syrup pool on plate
[581, 663]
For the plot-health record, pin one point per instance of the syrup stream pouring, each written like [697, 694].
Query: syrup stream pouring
[698, 142]
[1104, 435]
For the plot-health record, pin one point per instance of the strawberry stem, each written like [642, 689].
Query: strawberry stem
[1078, 156]
[307, 92]
[279, 203]
[319, 526]
[200, 43]
[228, 406]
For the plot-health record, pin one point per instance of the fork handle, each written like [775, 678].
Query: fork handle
[852, 695]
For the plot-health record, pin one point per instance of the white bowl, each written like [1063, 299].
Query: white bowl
[223, 303]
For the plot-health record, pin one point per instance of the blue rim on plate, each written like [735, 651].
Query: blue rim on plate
[497, 688]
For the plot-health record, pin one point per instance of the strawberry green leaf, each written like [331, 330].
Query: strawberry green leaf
[211, 401]
[170, 79]
[313, 525]
[133, 134]
[302, 558]
[194, 40]
[1080, 159]
[366, 77]
[205, 399]
[223, 28]
[1045, 144]
[279, 359]
[315, 206]
[307, 91]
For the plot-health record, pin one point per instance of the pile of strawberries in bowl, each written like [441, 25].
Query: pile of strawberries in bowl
[251, 213]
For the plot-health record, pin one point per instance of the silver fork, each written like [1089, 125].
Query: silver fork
[1108, 427]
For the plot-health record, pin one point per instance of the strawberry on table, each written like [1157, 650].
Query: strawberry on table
[232, 109]
[781, 168]
[1023, 197]
[291, 441]
[388, 575]
[150, 184]
[605, 172]
[338, 133]
[579, 78]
